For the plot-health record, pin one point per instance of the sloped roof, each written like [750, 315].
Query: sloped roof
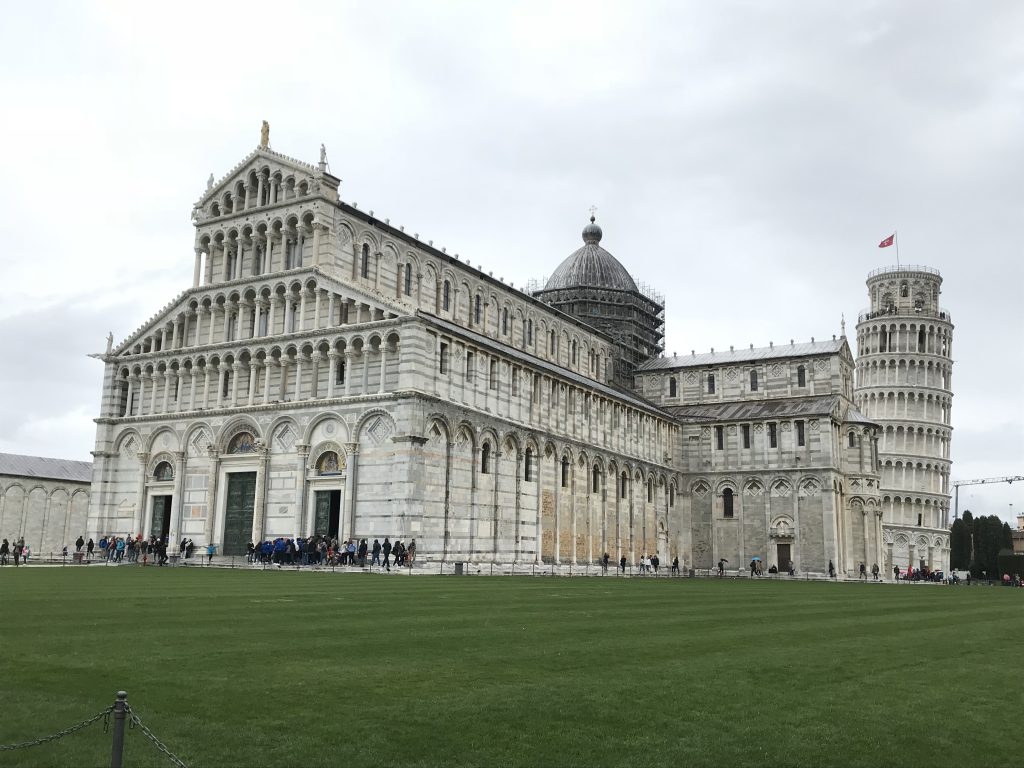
[755, 410]
[16, 465]
[804, 349]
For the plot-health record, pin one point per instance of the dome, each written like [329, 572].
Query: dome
[591, 267]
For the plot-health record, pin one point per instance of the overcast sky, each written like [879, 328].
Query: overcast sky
[745, 159]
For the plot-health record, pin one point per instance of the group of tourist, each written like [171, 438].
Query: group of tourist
[647, 564]
[324, 550]
[19, 550]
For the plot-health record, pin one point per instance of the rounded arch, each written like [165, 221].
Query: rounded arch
[320, 418]
[234, 428]
[158, 435]
[370, 418]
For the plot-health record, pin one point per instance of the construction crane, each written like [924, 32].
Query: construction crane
[980, 481]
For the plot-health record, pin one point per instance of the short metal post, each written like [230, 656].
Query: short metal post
[117, 749]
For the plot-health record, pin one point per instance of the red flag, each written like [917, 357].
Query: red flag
[887, 242]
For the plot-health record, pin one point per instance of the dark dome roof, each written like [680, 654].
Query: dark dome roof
[591, 267]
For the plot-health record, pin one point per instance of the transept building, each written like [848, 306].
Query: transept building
[329, 373]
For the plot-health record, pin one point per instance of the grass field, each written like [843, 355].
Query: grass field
[233, 668]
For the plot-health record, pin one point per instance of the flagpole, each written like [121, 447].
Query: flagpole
[896, 239]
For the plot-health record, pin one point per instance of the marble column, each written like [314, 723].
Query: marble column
[348, 525]
[177, 499]
[302, 454]
[235, 368]
[260, 512]
[140, 498]
[211, 494]
[253, 368]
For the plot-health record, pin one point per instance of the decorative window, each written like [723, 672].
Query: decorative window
[575, 353]
[727, 508]
[528, 465]
[328, 464]
[671, 495]
[853, 440]
[773, 435]
[746, 435]
[504, 322]
[565, 472]
[753, 380]
[719, 438]
[470, 365]
[551, 343]
[485, 459]
[799, 433]
[672, 387]
[492, 375]
[711, 383]
[340, 373]
[164, 472]
[243, 442]
[529, 333]
[650, 490]
[408, 278]
[443, 360]
[364, 267]
[595, 480]
[446, 296]
[476, 310]
[623, 480]
[801, 376]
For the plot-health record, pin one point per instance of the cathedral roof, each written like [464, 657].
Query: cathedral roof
[805, 349]
[591, 267]
[16, 465]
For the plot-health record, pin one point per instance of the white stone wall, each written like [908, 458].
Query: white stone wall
[48, 514]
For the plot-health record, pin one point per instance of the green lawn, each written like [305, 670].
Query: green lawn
[238, 668]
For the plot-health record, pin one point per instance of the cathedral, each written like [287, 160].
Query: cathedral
[329, 373]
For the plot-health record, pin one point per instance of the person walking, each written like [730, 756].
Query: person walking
[831, 570]
[753, 568]
[675, 566]
[210, 549]
[79, 543]
[5, 550]
[604, 562]
[874, 571]
[376, 553]
[862, 569]
[410, 553]
[622, 563]
[721, 567]
[387, 552]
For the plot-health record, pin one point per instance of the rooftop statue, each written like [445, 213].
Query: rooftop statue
[265, 135]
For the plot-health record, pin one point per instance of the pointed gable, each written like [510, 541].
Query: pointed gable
[263, 177]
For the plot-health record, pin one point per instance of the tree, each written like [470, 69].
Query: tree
[960, 544]
[988, 540]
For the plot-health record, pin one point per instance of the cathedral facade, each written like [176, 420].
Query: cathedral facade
[327, 373]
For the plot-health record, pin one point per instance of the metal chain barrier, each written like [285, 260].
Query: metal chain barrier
[104, 715]
[133, 720]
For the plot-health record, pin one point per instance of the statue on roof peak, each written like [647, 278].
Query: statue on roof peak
[265, 135]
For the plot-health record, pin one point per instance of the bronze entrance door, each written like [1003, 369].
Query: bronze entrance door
[160, 525]
[238, 512]
[784, 557]
[328, 513]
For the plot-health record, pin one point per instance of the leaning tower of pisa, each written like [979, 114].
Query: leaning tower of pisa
[904, 373]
